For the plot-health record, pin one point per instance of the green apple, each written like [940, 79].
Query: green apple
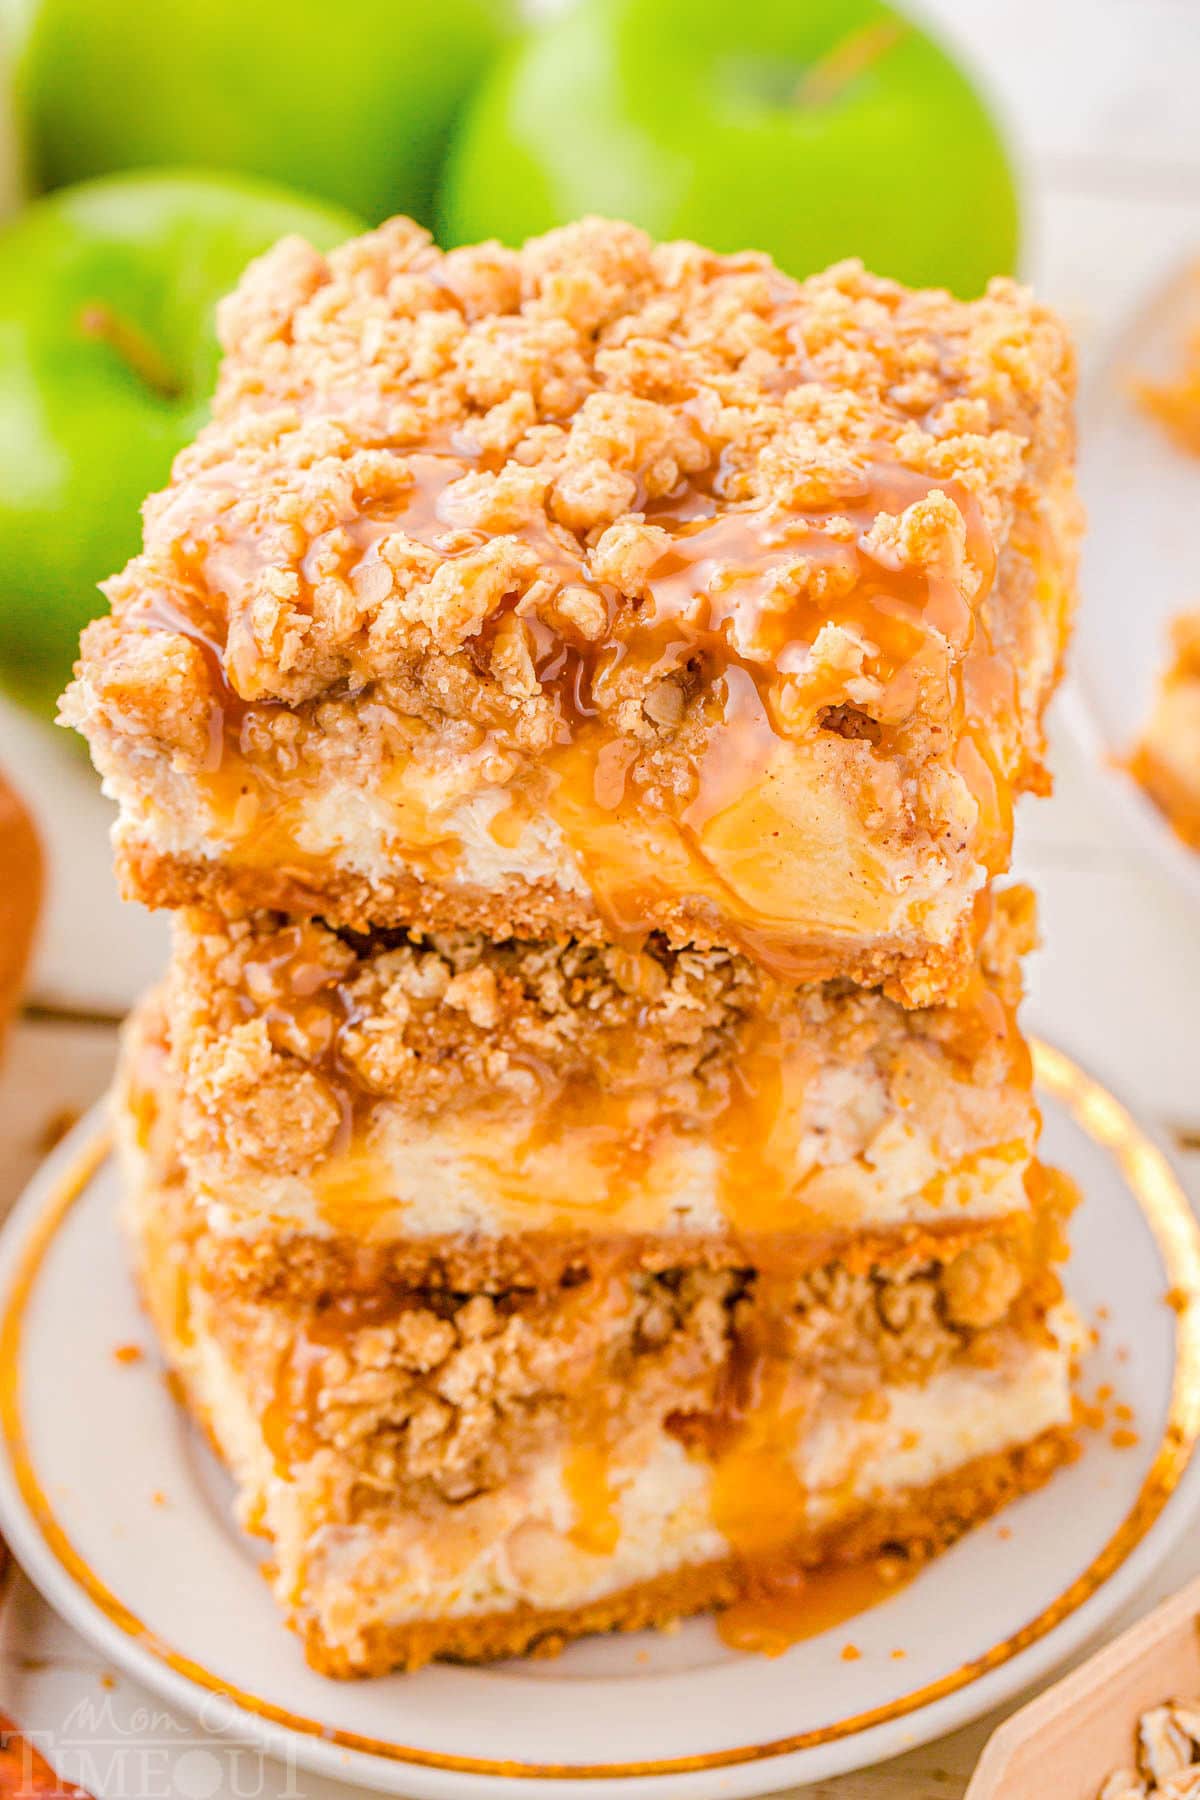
[812, 129]
[108, 356]
[354, 106]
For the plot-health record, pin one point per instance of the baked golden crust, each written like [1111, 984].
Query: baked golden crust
[304, 1270]
[600, 526]
[911, 971]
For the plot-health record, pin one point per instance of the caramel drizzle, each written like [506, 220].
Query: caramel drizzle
[307, 1008]
[759, 1501]
[797, 1604]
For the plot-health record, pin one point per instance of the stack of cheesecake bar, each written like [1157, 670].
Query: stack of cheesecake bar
[582, 1157]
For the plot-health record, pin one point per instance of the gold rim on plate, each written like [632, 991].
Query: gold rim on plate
[1175, 1231]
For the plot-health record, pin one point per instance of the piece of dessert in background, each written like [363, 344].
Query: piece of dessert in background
[1167, 759]
[452, 1458]
[582, 1161]
[602, 587]
[1175, 402]
[20, 898]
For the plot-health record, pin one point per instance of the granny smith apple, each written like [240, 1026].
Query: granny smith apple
[108, 356]
[354, 104]
[811, 130]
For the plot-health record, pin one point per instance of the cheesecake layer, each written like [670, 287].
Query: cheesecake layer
[599, 587]
[336, 1100]
[476, 1475]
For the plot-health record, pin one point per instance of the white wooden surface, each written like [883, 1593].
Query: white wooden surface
[1100, 98]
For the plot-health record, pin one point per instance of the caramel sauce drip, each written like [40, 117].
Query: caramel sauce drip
[1053, 1197]
[730, 612]
[759, 1501]
[287, 1419]
[758, 1132]
[797, 1604]
[982, 1017]
[591, 1151]
[737, 603]
[307, 1007]
[587, 1477]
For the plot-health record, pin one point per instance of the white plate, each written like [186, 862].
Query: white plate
[120, 1516]
[1141, 560]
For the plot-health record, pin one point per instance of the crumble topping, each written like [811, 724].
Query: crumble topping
[437, 475]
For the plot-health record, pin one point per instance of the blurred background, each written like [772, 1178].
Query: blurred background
[1054, 137]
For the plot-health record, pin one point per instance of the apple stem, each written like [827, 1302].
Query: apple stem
[98, 320]
[826, 79]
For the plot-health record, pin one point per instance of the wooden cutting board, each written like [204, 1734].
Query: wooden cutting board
[1065, 1744]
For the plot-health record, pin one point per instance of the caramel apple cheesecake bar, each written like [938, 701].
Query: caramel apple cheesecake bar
[581, 1160]
[467, 1463]
[1167, 760]
[600, 588]
[350, 1109]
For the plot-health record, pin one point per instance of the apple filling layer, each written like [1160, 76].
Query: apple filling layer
[479, 1473]
[604, 587]
[331, 1096]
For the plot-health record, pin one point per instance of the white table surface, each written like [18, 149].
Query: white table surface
[1100, 97]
